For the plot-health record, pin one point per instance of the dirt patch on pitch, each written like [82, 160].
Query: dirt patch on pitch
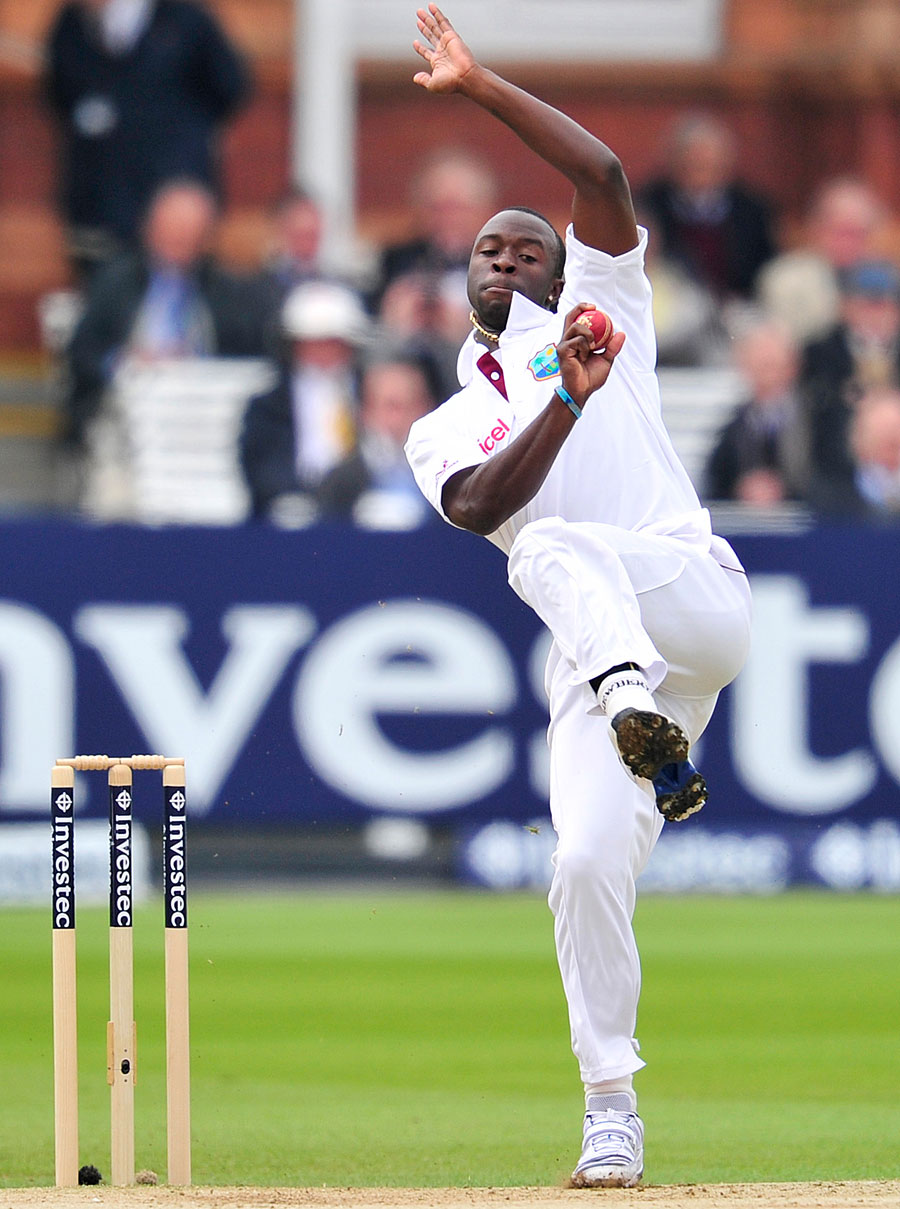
[861, 1195]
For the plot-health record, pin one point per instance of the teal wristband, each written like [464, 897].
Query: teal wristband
[569, 401]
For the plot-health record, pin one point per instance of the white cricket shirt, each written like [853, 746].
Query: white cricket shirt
[618, 465]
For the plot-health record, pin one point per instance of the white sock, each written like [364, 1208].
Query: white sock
[627, 689]
[613, 1093]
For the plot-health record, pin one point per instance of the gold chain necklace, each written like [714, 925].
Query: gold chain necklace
[494, 337]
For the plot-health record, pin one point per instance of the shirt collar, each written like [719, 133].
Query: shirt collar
[524, 316]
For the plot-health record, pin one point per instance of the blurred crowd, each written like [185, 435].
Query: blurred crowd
[141, 91]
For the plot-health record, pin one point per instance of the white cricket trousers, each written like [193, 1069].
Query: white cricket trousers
[610, 596]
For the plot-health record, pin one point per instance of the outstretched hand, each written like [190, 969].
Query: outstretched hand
[448, 58]
[584, 370]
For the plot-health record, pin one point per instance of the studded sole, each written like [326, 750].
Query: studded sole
[648, 741]
[684, 801]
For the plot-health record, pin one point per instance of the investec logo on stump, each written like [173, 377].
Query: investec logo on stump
[63, 859]
[120, 888]
[175, 880]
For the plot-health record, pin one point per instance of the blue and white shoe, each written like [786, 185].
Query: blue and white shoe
[612, 1155]
[653, 747]
[680, 791]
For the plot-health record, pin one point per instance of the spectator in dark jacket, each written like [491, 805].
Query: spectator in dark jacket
[872, 491]
[170, 299]
[759, 456]
[861, 352]
[706, 219]
[141, 89]
[374, 485]
[297, 432]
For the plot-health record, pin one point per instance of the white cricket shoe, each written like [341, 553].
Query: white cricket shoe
[612, 1155]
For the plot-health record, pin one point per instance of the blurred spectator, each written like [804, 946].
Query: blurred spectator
[801, 288]
[453, 196]
[688, 320]
[860, 352]
[169, 299]
[705, 219]
[294, 256]
[416, 316]
[298, 431]
[141, 89]
[873, 490]
[295, 252]
[758, 456]
[420, 298]
[374, 485]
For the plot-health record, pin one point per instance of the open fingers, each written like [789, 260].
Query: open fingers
[424, 27]
[432, 24]
[425, 51]
[434, 19]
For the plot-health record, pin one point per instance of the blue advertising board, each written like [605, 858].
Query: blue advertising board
[333, 676]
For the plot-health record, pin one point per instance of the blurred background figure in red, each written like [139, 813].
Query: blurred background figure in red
[705, 218]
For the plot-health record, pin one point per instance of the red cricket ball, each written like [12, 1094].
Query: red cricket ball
[601, 326]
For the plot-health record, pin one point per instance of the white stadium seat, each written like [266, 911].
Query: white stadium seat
[165, 450]
[696, 404]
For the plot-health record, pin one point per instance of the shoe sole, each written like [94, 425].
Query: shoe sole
[613, 1180]
[648, 741]
[684, 801]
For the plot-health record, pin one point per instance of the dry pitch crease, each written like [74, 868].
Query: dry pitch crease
[856, 1195]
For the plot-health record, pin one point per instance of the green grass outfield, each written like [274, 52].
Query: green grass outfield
[377, 1038]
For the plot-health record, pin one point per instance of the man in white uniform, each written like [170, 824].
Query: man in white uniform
[607, 542]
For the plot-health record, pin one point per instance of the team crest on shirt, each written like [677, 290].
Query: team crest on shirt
[545, 364]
